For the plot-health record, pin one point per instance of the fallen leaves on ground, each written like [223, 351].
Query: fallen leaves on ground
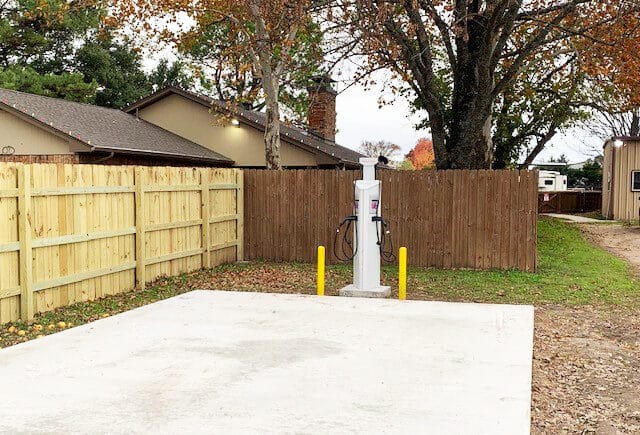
[586, 371]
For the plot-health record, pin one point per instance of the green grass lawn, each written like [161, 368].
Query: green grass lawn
[571, 272]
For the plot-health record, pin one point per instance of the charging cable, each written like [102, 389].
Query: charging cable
[349, 242]
[384, 238]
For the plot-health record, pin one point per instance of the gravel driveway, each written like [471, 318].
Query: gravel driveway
[622, 241]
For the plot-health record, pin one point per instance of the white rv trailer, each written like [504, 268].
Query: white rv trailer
[551, 181]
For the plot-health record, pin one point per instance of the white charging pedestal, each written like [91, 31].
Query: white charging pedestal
[366, 263]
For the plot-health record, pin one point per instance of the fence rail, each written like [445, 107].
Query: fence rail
[449, 219]
[78, 232]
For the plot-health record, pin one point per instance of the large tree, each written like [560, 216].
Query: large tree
[37, 46]
[44, 34]
[572, 82]
[171, 74]
[116, 68]
[259, 39]
[68, 86]
[377, 148]
[460, 57]
[228, 74]
[65, 49]
[547, 98]
[614, 69]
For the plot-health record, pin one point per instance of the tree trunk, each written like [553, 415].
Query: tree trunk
[470, 145]
[270, 75]
[635, 124]
[466, 141]
[272, 128]
[439, 139]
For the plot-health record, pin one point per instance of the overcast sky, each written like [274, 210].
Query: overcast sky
[359, 118]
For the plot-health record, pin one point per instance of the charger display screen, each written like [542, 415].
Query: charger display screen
[374, 206]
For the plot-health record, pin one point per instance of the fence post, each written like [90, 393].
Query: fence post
[240, 214]
[25, 236]
[141, 224]
[205, 185]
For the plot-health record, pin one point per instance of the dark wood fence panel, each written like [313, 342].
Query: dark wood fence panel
[446, 219]
[569, 202]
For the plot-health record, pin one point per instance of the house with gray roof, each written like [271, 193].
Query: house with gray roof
[169, 127]
[35, 129]
[238, 133]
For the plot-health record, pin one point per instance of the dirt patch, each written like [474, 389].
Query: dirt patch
[586, 366]
[586, 371]
[620, 240]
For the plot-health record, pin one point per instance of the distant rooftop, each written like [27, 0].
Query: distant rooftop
[555, 164]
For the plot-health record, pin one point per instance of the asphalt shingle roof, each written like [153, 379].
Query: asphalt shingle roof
[105, 129]
[291, 134]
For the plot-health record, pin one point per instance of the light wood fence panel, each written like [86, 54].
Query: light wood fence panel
[80, 232]
[9, 243]
[446, 219]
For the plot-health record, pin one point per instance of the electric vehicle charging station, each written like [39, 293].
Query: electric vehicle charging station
[369, 231]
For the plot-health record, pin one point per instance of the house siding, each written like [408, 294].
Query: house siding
[618, 200]
[244, 144]
[29, 140]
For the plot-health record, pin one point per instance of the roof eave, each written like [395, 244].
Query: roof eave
[150, 99]
[90, 147]
[625, 139]
[290, 140]
[129, 151]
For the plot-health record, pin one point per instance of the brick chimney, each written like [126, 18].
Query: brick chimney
[322, 108]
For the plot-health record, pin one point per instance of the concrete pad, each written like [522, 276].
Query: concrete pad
[383, 291]
[225, 362]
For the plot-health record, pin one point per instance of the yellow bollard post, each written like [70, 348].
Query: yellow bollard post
[402, 274]
[320, 271]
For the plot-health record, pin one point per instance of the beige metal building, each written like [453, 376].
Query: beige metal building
[621, 178]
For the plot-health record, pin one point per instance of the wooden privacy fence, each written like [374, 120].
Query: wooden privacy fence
[447, 219]
[569, 201]
[73, 233]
